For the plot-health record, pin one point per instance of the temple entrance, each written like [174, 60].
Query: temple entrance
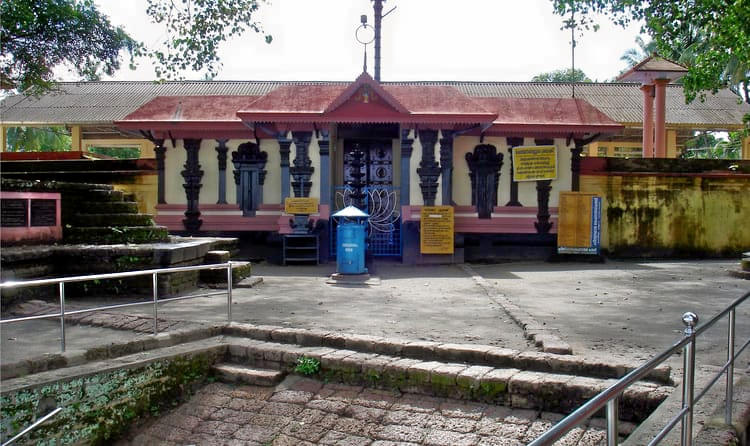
[368, 184]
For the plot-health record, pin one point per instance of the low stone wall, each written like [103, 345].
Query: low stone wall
[100, 405]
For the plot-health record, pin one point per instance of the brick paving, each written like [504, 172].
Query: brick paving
[308, 412]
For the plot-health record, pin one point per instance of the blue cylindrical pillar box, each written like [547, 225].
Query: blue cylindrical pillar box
[350, 241]
[350, 249]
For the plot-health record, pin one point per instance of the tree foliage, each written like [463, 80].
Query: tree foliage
[38, 139]
[718, 33]
[195, 28]
[563, 75]
[39, 35]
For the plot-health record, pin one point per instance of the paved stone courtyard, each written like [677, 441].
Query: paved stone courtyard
[307, 412]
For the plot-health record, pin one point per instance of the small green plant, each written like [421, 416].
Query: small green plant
[307, 366]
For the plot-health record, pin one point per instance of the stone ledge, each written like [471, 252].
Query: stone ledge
[449, 352]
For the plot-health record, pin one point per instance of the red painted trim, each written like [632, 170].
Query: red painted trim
[40, 156]
[365, 79]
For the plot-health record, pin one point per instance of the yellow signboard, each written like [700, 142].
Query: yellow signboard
[303, 206]
[436, 230]
[532, 163]
[579, 223]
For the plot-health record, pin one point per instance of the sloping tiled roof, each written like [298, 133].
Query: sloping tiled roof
[105, 102]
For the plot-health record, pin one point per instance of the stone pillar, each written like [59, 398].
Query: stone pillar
[75, 138]
[324, 142]
[284, 145]
[513, 142]
[446, 164]
[406, 149]
[221, 157]
[746, 148]
[648, 120]
[160, 152]
[660, 131]
[671, 143]
[192, 175]
[543, 188]
[429, 169]
[302, 170]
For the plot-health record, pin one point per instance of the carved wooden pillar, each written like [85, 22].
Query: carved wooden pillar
[543, 188]
[324, 143]
[192, 175]
[484, 171]
[446, 164]
[429, 169]
[160, 152]
[513, 142]
[284, 145]
[221, 157]
[406, 149]
[302, 170]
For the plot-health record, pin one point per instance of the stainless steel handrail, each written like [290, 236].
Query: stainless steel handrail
[610, 396]
[33, 426]
[155, 301]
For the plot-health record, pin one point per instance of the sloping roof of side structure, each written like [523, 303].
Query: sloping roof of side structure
[106, 102]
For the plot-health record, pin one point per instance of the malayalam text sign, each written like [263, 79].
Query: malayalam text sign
[532, 163]
[301, 205]
[436, 230]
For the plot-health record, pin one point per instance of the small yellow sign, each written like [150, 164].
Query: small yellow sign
[436, 230]
[302, 206]
[532, 163]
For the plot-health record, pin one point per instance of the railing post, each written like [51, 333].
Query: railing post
[688, 377]
[730, 368]
[612, 421]
[229, 292]
[62, 316]
[155, 288]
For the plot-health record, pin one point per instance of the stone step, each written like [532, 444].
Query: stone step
[447, 352]
[235, 373]
[108, 207]
[240, 271]
[514, 387]
[94, 195]
[104, 235]
[115, 219]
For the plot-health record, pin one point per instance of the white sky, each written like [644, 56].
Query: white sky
[499, 40]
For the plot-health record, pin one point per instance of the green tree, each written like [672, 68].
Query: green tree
[38, 139]
[564, 75]
[38, 36]
[706, 145]
[717, 33]
[633, 56]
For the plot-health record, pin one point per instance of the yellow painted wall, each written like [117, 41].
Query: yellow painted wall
[144, 187]
[669, 215]
[746, 148]
[174, 160]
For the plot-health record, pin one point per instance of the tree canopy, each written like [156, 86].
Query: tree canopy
[563, 75]
[38, 36]
[720, 31]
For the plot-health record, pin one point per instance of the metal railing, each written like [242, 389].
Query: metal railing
[36, 424]
[60, 282]
[610, 396]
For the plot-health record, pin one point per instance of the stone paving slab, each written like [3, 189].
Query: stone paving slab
[306, 412]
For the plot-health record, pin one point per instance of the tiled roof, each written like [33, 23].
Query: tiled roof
[105, 102]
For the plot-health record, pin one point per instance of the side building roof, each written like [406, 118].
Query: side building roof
[99, 103]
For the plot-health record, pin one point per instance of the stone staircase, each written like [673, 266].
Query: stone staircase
[102, 215]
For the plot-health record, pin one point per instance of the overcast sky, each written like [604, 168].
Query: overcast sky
[499, 40]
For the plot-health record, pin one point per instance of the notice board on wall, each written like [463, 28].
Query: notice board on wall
[301, 206]
[533, 163]
[436, 230]
[579, 224]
